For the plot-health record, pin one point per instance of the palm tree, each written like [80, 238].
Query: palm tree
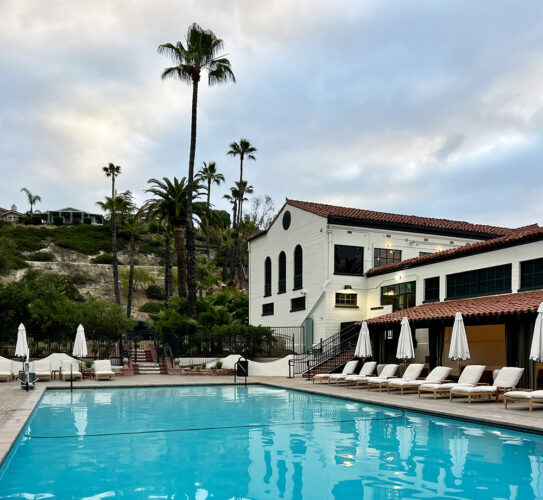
[200, 53]
[114, 171]
[170, 201]
[208, 174]
[32, 198]
[245, 150]
[133, 224]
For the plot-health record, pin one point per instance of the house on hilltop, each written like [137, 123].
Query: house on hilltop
[11, 214]
[70, 214]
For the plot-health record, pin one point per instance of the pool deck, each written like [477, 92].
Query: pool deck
[16, 405]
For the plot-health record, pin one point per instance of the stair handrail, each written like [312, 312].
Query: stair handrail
[325, 350]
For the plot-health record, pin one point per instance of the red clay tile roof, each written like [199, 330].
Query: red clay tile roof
[516, 237]
[512, 303]
[407, 220]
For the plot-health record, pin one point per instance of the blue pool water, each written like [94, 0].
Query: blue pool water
[226, 442]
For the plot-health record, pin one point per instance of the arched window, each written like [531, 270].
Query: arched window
[282, 288]
[267, 277]
[298, 265]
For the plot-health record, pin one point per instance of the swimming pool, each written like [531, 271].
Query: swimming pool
[224, 442]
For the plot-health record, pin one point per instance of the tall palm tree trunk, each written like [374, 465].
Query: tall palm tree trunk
[179, 241]
[131, 276]
[190, 261]
[114, 244]
[167, 268]
[233, 248]
[207, 222]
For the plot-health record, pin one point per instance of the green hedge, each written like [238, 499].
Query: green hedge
[152, 307]
[40, 257]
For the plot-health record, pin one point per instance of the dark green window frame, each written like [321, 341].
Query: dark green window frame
[348, 260]
[431, 289]
[480, 282]
[400, 296]
[384, 256]
[297, 304]
[267, 309]
[531, 274]
[346, 299]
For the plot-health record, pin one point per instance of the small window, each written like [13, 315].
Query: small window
[297, 304]
[531, 274]
[348, 260]
[422, 254]
[267, 277]
[384, 256]
[282, 284]
[431, 289]
[267, 309]
[298, 267]
[346, 299]
[286, 220]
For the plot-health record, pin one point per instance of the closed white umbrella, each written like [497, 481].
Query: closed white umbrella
[80, 344]
[21, 348]
[363, 346]
[459, 348]
[536, 351]
[405, 348]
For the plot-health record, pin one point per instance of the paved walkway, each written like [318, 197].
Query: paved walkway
[16, 405]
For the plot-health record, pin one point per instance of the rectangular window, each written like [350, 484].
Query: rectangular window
[267, 309]
[401, 296]
[297, 304]
[431, 289]
[346, 299]
[422, 254]
[348, 260]
[531, 274]
[384, 256]
[488, 281]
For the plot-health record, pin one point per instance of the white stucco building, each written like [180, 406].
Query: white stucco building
[324, 266]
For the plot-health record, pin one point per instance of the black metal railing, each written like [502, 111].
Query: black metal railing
[337, 347]
[296, 333]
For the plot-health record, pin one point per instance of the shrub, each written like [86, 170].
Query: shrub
[154, 292]
[27, 220]
[218, 365]
[152, 307]
[80, 279]
[58, 221]
[36, 220]
[105, 258]
[86, 238]
[76, 221]
[41, 257]
[87, 220]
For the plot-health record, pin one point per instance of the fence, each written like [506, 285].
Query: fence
[296, 334]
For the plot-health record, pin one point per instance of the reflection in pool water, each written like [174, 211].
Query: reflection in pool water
[258, 442]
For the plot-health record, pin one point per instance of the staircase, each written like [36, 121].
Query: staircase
[335, 362]
[144, 364]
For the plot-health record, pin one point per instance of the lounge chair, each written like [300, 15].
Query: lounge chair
[366, 370]
[436, 376]
[386, 372]
[523, 396]
[6, 369]
[69, 369]
[102, 369]
[469, 377]
[348, 369]
[506, 380]
[42, 369]
[411, 373]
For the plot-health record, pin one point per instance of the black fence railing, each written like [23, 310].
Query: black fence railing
[337, 347]
[296, 333]
[41, 346]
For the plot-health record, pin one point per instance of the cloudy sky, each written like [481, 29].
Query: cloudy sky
[421, 107]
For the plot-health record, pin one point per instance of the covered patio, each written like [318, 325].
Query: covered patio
[499, 330]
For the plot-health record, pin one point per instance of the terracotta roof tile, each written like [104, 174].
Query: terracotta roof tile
[512, 303]
[519, 236]
[324, 210]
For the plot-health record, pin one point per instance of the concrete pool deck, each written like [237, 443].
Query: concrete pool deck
[16, 405]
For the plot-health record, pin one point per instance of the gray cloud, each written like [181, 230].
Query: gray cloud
[432, 108]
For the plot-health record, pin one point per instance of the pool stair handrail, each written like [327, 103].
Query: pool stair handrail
[242, 364]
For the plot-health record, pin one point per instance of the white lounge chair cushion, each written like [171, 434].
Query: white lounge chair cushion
[322, 375]
[65, 368]
[438, 374]
[471, 374]
[525, 394]
[508, 377]
[388, 371]
[399, 382]
[378, 380]
[367, 369]
[412, 371]
[42, 366]
[448, 385]
[480, 389]
[357, 377]
[103, 367]
[6, 367]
